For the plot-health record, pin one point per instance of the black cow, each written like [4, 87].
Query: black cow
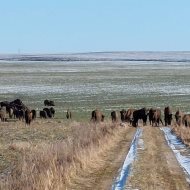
[19, 114]
[151, 114]
[4, 104]
[43, 114]
[49, 103]
[52, 111]
[114, 116]
[48, 111]
[33, 114]
[139, 114]
[167, 116]
[17, 102]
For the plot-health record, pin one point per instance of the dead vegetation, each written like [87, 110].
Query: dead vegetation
[15, 138]
[50, 160]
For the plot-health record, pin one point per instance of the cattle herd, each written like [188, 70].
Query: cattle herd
[154, 115]
[17, 110]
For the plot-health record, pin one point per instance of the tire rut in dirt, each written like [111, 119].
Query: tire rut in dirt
[156, 166]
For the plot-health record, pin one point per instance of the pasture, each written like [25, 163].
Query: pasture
[15, 137]
[75, 153]
[61, 148]
[109, 85]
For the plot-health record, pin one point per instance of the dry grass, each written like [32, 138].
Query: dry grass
[182, 132]
[102, 167]
[51, 163]
[15, 138]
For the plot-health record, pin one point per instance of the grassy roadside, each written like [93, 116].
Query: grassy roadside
[16, 138]
[102, 168]
[49, 155]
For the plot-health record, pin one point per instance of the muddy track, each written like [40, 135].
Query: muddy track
[107, 166]
[156, 167]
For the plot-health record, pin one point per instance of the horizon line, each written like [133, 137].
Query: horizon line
[98, 52]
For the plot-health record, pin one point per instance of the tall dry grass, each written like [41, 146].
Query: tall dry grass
[51, 166]
[182, 132]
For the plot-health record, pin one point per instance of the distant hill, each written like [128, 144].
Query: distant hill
[102, 56]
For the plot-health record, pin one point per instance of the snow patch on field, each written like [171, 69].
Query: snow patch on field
[180, 150]
[126, 168]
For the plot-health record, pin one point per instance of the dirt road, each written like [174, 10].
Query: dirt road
[156, 167]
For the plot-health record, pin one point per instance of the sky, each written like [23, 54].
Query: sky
[69, 26]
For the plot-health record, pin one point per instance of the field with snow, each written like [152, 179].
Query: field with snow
[109, 81]
[82, 155]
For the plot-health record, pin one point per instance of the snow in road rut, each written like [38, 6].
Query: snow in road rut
[126, 168]
[181, 152]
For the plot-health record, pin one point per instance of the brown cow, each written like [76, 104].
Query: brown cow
[167, 115]
[28, 117]
[186, 120]
[178, 116]
[123, 114]
[97, 116]
[3, 114]
[151, 114]
[156, 117]
[129, 115]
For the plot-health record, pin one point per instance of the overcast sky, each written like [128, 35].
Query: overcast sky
[59, 26]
